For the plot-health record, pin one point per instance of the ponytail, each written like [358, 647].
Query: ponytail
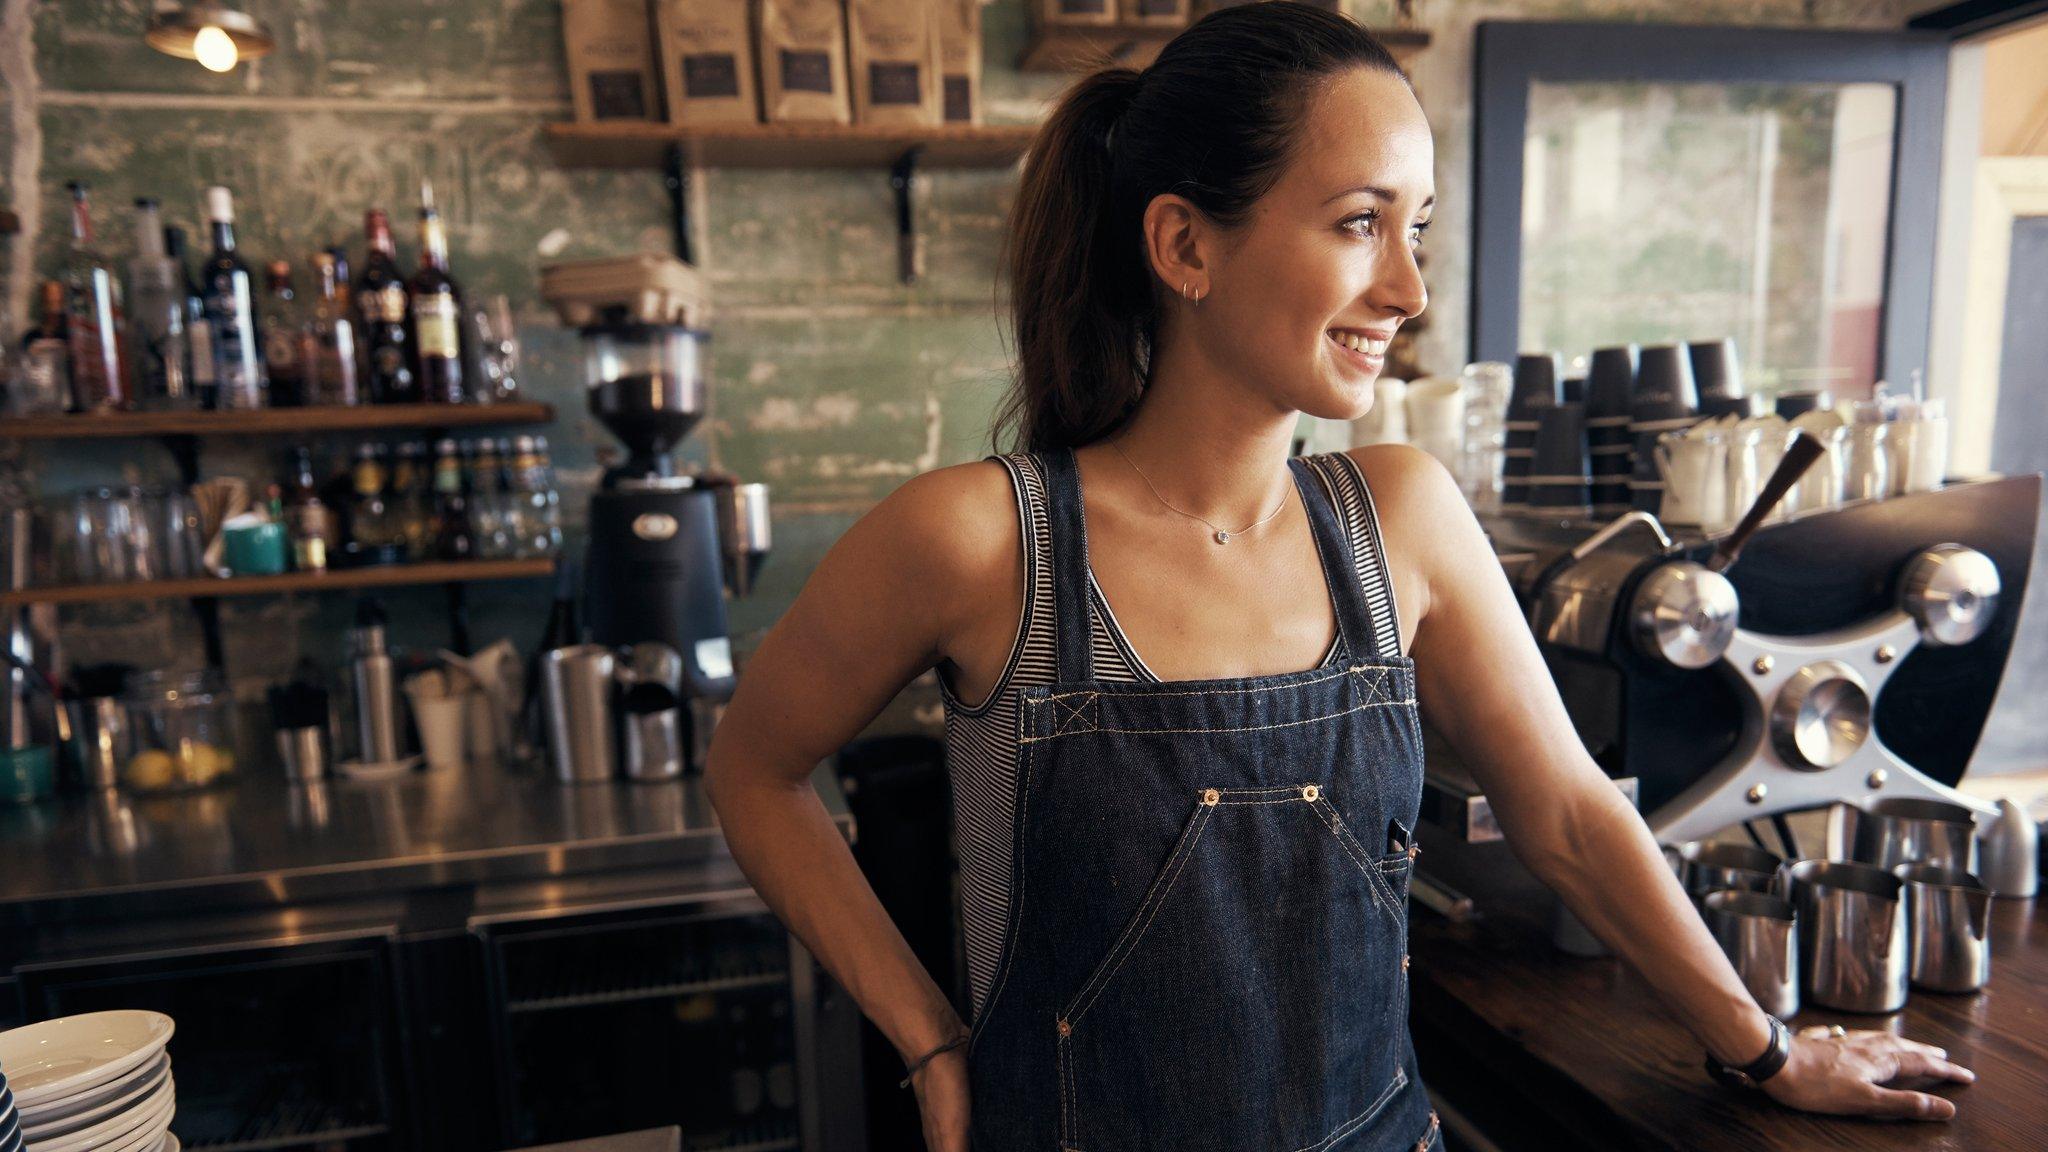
[1079, 309]
[1213, 119]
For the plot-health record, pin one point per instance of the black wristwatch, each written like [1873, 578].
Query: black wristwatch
[1754, 1073]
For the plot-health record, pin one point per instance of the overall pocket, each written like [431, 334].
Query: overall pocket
[1253, 1000]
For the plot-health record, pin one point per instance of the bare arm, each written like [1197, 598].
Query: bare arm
[883, 606]
[1484, 685]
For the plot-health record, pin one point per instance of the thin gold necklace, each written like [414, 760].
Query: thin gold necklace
[1221, 535]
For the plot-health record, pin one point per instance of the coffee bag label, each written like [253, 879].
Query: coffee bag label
[806, 72]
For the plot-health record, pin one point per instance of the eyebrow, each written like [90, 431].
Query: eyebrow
[1385, 196]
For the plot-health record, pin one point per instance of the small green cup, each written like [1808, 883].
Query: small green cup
[255, 549]
[27, 774]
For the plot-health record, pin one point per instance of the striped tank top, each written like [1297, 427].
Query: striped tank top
[981, 739]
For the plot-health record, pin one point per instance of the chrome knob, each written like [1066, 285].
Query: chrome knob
[1952, 592]
[1684, 615]
[1821, 715]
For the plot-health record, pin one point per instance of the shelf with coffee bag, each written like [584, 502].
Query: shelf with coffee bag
[646, 144]
[333, 580]
[1130, 38]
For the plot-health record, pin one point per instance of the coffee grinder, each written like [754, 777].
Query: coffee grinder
[666, 546]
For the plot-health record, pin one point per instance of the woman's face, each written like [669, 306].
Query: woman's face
[1310, 288]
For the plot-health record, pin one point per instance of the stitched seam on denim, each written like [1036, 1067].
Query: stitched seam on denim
[1354, 669]
[1248, 728]
[1373, 1109]
[1135, 932]
[1355, 850]
[1016, 917]
[1066, 1072]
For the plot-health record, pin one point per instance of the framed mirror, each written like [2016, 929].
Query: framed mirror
[1658, 183]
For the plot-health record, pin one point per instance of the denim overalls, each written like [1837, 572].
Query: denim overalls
[1207, 942]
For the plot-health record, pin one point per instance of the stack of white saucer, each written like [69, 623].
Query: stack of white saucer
[100, 1082]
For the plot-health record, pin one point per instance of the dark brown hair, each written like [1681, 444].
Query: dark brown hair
[1213, 119]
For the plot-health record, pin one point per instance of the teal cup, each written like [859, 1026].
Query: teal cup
[27, 774]
[255, 549]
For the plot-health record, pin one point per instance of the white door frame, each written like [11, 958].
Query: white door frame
[2006, 187]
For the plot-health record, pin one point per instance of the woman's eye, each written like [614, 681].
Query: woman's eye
[1416, 231]
[1362, 224]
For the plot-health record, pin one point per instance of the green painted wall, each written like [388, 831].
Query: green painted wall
[833, 382]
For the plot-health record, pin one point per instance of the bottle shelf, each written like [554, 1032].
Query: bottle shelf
[1083, 48]
[646, 144]
[270, 421]
[339, 580]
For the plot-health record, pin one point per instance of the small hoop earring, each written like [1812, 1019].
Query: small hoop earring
[1184, 291]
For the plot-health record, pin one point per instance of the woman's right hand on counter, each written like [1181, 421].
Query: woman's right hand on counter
[1841, 1075]
[942, 1101]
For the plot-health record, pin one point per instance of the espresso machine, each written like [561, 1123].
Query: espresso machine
[666, 546]
[1845, 654]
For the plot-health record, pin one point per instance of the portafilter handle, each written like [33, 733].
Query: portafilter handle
[1799, 456]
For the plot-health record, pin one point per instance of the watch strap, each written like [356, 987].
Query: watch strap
[1754, 1073]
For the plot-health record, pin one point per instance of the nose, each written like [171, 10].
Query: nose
[1397, 287]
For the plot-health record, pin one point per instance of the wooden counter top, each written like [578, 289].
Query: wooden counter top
[1546, 1050]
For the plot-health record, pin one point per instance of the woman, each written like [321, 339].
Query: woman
[1185, 826]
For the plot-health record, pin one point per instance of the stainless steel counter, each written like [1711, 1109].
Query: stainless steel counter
[263, 843]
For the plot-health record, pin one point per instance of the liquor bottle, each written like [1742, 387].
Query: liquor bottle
[198, 332]
[308, 519]
[283, 324]
[550, 499]
[231, 311]
[156, 319]
[436, 302]
[486, 511]
[370, 524]
[409, 505]
[454, 533]
[380, 305]
[42, 385]
[327, 348]
[92, 318]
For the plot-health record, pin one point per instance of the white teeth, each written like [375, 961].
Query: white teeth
[1358, 343]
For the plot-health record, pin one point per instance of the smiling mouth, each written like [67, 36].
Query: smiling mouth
[1359, 343]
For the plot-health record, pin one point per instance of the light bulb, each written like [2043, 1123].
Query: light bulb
[214, 49]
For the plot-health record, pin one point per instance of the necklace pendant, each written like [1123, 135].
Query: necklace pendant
[1222, 537]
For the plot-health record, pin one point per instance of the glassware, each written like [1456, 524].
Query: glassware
[93, 318]
[109, 539]
[496, 340]
[181, 726]
[157, 344]
[1867, 473]
[1487, 386]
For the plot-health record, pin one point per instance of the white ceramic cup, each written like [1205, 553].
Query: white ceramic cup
[1386, 422]
[441, 720]
[1436, 417]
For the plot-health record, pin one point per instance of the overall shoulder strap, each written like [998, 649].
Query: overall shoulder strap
[1072, 648]
[1364, 573]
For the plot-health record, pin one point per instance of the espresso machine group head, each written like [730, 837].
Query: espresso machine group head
[666, 545]
[1853, 653]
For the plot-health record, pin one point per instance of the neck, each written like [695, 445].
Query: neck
[1206, 443]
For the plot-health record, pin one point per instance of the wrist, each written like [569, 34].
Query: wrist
[1746, 1046]
[1754, 1073]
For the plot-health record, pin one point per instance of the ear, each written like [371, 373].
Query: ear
[1178, 242]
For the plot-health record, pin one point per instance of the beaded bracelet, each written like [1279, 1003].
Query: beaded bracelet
[948, 1046]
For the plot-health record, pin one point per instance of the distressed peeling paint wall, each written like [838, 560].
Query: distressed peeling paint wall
[833, 382]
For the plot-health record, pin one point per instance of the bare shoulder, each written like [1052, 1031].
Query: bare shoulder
[943, 548]
[1428, 526]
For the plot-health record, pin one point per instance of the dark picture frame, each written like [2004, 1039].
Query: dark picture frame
[1512, 55]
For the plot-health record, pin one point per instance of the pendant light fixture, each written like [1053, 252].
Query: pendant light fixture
[210, 32]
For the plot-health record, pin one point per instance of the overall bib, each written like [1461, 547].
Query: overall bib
[1206, 948]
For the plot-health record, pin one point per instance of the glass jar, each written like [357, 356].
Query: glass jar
[181, 733]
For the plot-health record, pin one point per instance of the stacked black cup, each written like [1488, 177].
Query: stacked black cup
[1715, 371]
[1664, 400]
[1610, 382]
[1538, 376]
[1560, 476]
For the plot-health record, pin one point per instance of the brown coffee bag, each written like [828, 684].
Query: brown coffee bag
[1162, 13]
[611, 60]
[1052, 12]
[894, 51]
[959, 33]
[705, 49]
[803, 61]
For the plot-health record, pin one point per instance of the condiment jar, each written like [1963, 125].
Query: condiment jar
[181, 733]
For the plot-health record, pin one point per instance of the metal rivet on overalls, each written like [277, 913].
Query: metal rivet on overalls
[1066, 1029]
[1310, 792]
[1211, 796]
[1415, 850]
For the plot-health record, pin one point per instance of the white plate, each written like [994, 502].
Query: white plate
[95, 1104]
[97, 1093]
[132, 1131]
[60, 1057]
[117, 1130]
